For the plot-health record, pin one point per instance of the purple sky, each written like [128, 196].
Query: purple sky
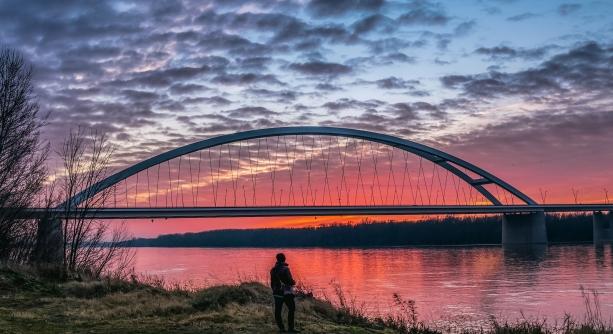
[520, 88]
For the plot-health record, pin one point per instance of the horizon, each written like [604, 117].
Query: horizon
[521, 89]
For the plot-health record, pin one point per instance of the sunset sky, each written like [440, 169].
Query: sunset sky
[520, 88]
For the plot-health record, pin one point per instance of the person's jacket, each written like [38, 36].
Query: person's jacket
[281, 280]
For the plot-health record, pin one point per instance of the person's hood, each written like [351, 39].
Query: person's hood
[281, 264]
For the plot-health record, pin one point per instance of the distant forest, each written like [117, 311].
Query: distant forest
[444, 231]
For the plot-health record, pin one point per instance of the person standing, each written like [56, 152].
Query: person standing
[283, 289]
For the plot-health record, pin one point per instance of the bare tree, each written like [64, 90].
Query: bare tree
[575, 195]
[90, 245]
[543, 196]
[47, 252]
[22, 157]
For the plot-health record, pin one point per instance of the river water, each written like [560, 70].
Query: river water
[450, 285]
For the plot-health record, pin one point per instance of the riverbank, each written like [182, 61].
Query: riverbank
[32, 304]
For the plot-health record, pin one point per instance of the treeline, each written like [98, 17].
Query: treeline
[444, 231]
[60, 246]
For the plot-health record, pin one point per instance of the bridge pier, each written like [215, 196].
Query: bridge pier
[524, 229]
[49, 250]
[601, 226]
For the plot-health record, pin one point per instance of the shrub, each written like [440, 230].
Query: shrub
[219, 296]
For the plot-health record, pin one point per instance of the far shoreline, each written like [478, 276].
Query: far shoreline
[578, 243]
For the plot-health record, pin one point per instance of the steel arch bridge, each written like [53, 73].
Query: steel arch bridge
[322, 170]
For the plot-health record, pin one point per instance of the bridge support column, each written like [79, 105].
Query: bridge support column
[524, 228]
[602, 229]
[49, 250]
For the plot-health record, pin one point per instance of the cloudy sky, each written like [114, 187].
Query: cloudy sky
[520, 88]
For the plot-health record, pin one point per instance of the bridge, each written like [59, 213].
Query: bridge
[316, 171]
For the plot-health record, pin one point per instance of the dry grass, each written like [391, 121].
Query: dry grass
[30, 304]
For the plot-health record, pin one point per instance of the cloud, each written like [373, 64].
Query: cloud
[404, 118]
[544, 149]
[391, 83]
[522, 17]
[585, 68]
[91, 52]
[397, 57]
[396, 83]
[568, 8]
[190, 88]
[139, 96]
[464, 28]
[588, 128]
[320, 68]
[246, 79]
[375, 22]
[347, 103]
[214, 100]
[506, 52]
[284, 28]
[384, 59]
[423, 13]
[264, 21]
[283, 96]
[253, 63]
[65, 22]
[162, 74]
[324, 8]
[328, 87]
[416, 110]
[404, 111]
[562, 111]
[250, 112]
[393, 45]
[166, 77]
[234, 44]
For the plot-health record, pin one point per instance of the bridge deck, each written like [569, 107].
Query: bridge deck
[210, 212]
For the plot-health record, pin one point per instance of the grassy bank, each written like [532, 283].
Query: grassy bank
[31, 304]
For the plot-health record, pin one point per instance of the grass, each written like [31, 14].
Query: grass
[30, 303]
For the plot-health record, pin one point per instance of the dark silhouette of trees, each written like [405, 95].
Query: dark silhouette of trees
[22, 157]
[75, 244]
[88, 244]
[444, 231]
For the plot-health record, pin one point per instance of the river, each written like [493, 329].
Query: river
[450, 285]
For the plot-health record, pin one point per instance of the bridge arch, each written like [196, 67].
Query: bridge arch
[440, 158]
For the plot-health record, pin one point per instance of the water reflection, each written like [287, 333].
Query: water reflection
[453, 284]
[527, 254]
